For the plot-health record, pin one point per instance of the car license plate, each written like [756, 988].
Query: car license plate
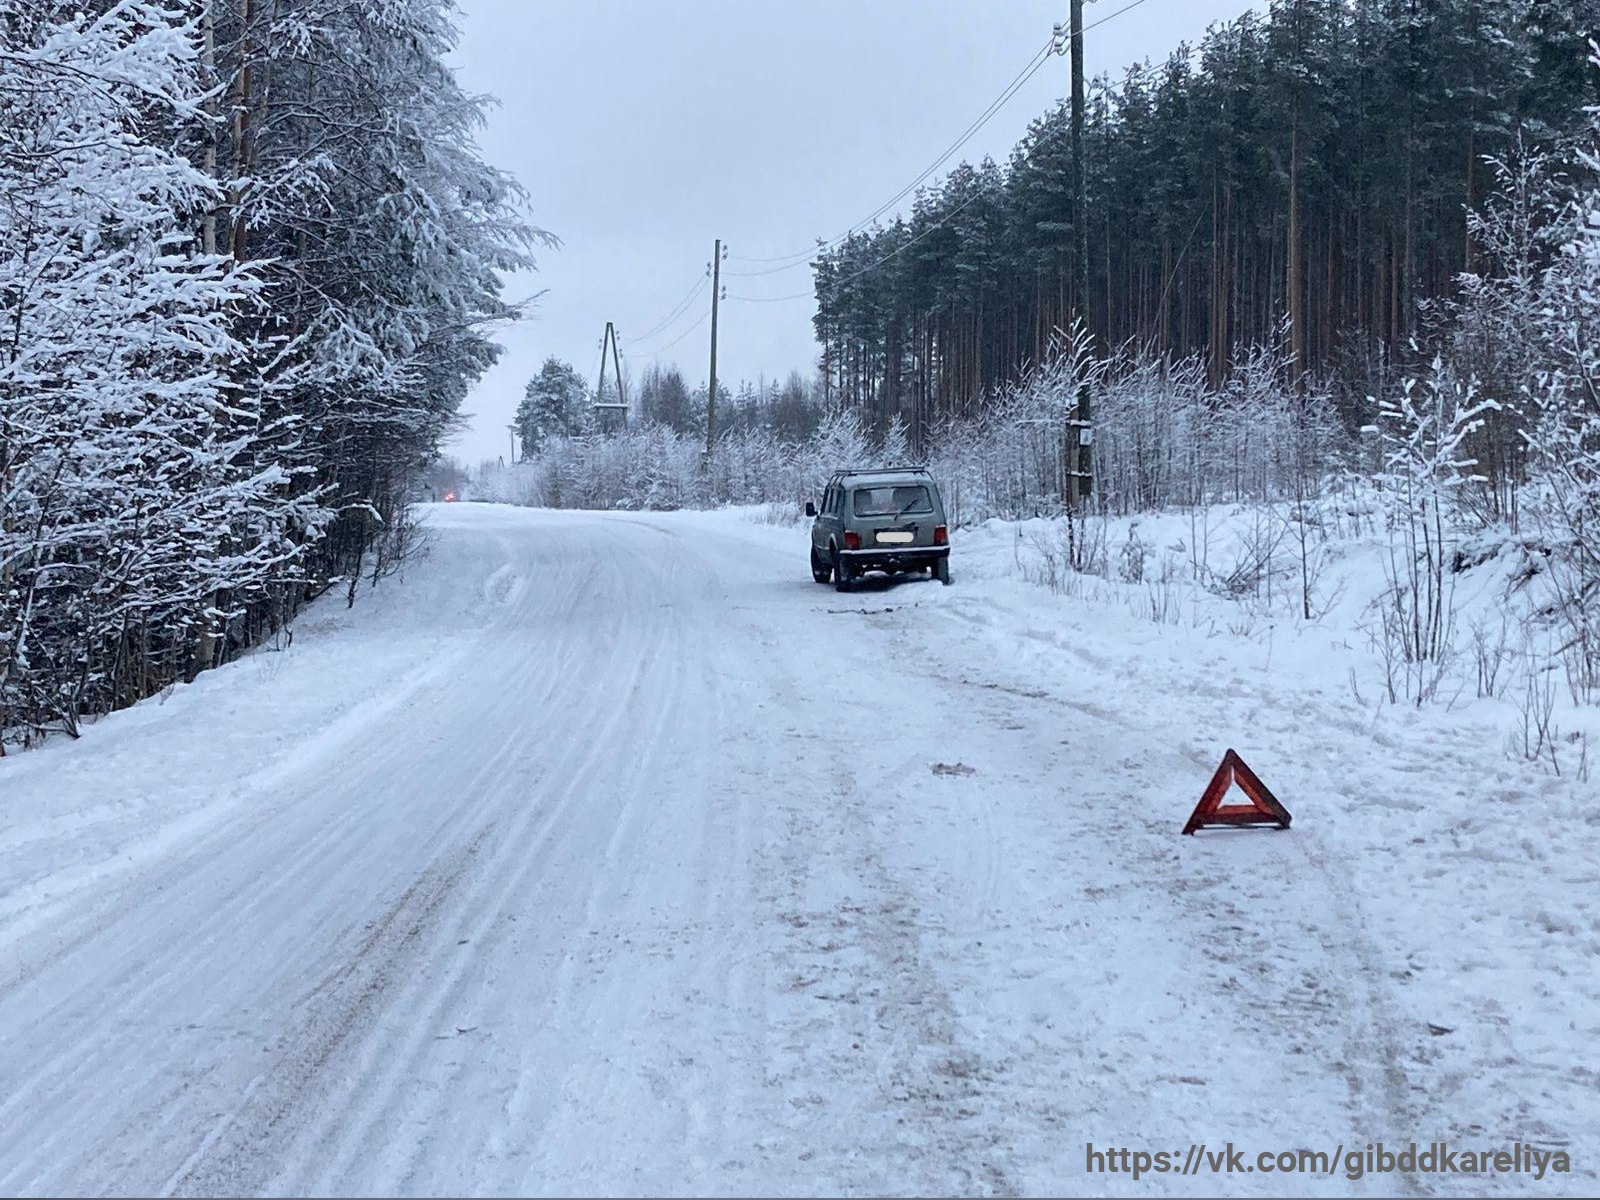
[896, 539]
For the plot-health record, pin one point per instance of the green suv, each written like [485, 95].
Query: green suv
[890, 519]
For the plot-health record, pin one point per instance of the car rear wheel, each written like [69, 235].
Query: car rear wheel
[821, 569]
[844, 577]
[941, 571]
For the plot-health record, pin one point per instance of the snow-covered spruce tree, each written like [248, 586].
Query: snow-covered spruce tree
[555, 404]
[133, 488]
[352, 177]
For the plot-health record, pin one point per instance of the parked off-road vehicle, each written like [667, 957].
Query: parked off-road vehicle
[890, 519]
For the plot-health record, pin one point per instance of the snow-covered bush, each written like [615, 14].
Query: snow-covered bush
[1424, 431]
[1566, 431]
[1162, 439]
[1529, 332]
[1131, 556]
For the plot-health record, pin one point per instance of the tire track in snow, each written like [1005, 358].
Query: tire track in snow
[350, 1140]
[345, 1003]
[179, 891]
[880, 1091]
[259, 1148]
[253, 799]
[522, 855]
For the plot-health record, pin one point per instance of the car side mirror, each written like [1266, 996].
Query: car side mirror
[811, 509]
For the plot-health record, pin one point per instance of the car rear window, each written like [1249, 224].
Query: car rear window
[892, 499]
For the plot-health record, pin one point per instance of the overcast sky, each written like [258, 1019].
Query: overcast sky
[644, 129]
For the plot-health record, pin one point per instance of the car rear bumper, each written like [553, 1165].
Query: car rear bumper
[885, 558]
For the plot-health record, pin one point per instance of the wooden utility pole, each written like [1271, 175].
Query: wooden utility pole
[711, 391]
[609, 344]
[1079, 474]
[1080, 213]
[616, 369]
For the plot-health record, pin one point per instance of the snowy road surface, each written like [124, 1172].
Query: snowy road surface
[607, 854]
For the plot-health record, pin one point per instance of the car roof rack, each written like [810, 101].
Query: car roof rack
[881, 471]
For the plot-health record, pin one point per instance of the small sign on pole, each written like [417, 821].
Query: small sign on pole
[1263, 809]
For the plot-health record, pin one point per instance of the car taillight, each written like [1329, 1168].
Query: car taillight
[941, 536]
[852, 541]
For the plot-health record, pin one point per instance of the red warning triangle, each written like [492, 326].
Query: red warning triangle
[1263, 808]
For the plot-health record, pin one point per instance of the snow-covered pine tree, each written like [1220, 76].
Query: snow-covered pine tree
[248, 252]
[350, 169]
[133, 491]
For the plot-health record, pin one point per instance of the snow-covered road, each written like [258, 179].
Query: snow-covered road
[607, 854]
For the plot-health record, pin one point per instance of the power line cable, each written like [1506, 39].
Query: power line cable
[798, 258]
[676, 312]
[1015, 86]
[1048, 51]
[895, 253]
[656, 353]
